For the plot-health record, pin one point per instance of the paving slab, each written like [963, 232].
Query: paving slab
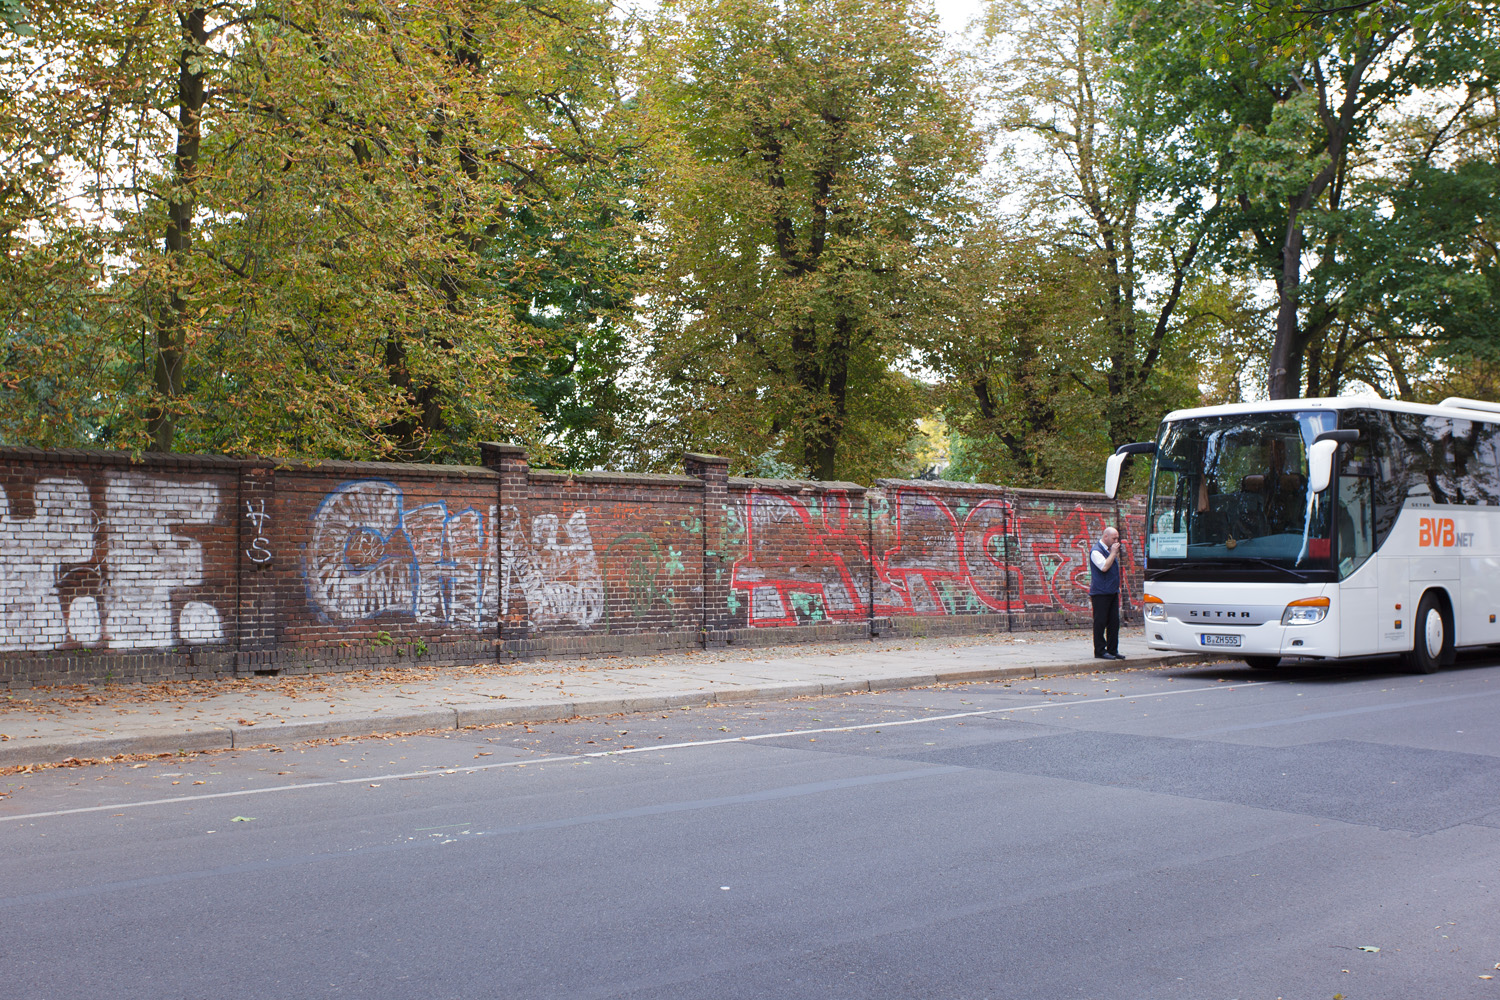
[51, 724]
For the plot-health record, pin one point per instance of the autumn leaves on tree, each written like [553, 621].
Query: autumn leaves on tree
[779, 229]
[308, 229]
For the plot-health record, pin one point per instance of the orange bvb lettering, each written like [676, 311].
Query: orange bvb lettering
[1435, 531]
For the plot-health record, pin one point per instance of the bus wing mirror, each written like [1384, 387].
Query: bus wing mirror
[1320, 456]
[1112, 468]
[1116, 463]
[1320, 464]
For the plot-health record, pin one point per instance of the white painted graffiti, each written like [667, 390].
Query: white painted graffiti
[371, 555]
[32, 550]
[130, 605]
[559, 577]
[147, 560]
[259, 551]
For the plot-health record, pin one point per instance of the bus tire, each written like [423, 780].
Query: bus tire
[1262, 662]
[1432, 636]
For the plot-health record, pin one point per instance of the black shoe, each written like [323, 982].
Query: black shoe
[1113, 656]
[1102, 656]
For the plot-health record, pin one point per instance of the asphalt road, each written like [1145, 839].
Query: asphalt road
[1196, 833]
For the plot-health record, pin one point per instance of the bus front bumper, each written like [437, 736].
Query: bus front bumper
[1269, 639]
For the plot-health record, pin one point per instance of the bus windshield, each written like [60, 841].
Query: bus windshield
[1231, 491]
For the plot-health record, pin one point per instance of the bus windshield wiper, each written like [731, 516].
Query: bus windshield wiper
[1258, 561]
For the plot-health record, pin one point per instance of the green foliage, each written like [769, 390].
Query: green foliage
[1335, 124]
[13, 17]
[817, 160]
[338, 232]
[1110, 255]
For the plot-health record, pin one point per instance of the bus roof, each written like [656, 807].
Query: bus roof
[1465, 409]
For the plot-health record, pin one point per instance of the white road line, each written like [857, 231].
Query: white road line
[640, 812]
[474, 769]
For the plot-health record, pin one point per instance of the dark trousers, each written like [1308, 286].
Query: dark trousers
[1106, 623]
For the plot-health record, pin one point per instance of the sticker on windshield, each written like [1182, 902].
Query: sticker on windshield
[1168, 545]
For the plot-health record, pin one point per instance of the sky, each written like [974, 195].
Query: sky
[955, 14]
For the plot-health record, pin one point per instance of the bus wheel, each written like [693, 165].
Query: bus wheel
[1262, 662]
[1432, 638]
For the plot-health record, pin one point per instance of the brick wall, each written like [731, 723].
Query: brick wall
[194, 566]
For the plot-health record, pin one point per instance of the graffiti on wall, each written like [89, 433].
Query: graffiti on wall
[118, 561]
[554, 567]
[370, 555]
[73, 576]
[645, 580]
[811, 560]
[803, 563]
[946, 561]
[259, 551]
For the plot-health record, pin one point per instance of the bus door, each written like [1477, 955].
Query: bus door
[1394, 608]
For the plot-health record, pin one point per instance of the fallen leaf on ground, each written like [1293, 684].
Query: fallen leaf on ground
[243, 819]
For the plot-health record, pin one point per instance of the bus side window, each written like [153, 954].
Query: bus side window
[1356, 522]
[1486, 469]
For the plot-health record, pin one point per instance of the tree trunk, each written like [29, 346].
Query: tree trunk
[837, 389]
[171, 325]
[1286, 351]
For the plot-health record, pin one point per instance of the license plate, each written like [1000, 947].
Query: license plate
[1209, 639]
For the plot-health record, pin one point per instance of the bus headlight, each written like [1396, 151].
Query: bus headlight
[1308, 611]
[1154, 609]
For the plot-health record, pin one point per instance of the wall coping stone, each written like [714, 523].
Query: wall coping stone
[1019, 492]
[86, 456]
[627, 478]
[385, 470]
[797, 485]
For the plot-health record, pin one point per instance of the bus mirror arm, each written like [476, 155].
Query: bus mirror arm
[1116, 462]
[1320, 456]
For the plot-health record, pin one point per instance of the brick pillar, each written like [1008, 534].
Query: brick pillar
[511, 462]
[714, 471]
[258, 553]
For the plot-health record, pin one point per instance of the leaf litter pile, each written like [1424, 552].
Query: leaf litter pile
[58, 699]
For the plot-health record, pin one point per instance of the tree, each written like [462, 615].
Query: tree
[1014, 394]
[1096, 188]
[816, 159]
[1300, 98]
[307, 229]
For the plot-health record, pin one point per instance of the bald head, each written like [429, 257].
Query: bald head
[1110, 536]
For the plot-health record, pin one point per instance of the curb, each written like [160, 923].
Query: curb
[487, 714]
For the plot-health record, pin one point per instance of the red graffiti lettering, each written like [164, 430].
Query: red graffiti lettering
[811, 559]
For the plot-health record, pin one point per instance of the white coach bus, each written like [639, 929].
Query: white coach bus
[1323, 528]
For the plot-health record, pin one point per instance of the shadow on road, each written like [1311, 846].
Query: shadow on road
[1332, 671]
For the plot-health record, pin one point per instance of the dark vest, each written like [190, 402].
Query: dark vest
[1103, 581]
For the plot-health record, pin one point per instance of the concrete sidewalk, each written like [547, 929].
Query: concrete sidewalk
[47, 725]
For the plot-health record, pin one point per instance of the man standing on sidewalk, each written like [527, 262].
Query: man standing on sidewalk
[1104, 593]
